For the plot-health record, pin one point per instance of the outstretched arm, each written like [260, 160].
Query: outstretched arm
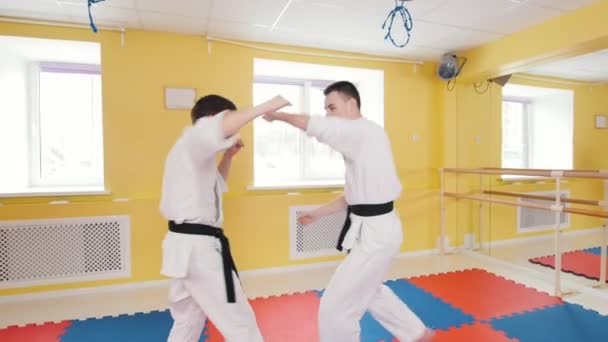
[235, 120]
[327, 209]
[297, 120]
[333, 131]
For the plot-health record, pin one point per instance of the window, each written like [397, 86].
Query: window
[284, 156]
[52, 136]
[67, 150]
[515, 133]
[537, 127]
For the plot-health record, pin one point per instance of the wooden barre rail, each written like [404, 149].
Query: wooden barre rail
[534, 173]
[544, 198]
[585, 212]
[493, 200]
[546, 170]
[553, 203]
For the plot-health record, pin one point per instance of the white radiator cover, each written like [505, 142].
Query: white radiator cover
[530, 219]
[51, 251]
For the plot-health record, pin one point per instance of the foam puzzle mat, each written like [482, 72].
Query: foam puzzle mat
[471, 305]
[583, 263]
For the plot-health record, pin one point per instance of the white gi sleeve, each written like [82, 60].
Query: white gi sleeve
[334, 132]
[206, 137]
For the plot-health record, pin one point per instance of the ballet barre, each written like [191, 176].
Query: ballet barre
[558, 205]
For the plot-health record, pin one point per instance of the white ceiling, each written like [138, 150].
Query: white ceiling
[592, 67]
[354, 25]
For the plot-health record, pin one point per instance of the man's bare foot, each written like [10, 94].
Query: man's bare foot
[427, 336]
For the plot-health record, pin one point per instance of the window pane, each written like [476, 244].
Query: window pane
[285, 156]
[316, 101]
[537, 127]
[514, 149]
[277, 145]
[70, 132]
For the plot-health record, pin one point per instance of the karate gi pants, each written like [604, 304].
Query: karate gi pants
[357, 285]
[201, 292]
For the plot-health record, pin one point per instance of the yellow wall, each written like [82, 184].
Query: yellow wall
[466, 114]
[138, 133]
[572, 34]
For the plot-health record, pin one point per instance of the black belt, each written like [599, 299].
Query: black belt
[202, 229]
[362, 210]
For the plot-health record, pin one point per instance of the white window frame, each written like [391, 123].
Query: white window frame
[527, 132]
[36, 182]
[307, 181]
[370, 83]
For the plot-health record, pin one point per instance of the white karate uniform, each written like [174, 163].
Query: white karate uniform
[192, 193]
[357, 285]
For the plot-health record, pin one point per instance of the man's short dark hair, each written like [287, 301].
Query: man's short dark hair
[345, 88]
[210, 105]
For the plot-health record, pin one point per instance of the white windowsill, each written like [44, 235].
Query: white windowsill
[296, 186]
[57, 191]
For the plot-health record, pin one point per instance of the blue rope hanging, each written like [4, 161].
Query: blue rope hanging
[91, 2]
[407, 21]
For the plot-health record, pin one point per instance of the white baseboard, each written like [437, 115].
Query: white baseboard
[416, 254]
[84, 291]
[288, 269]
[320, 265]
[165, 282]
[265, 271]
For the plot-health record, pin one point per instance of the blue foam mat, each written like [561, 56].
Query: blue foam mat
[561, 323]
[149, 327]
[594, 250]
[434, 312]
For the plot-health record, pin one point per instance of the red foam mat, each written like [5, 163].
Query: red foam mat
[484, 295]
[478, 332]
[48, 332]
[578, 262]
[290, 318]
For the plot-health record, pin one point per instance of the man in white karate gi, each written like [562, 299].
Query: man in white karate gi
[372, 233]
[196, 254]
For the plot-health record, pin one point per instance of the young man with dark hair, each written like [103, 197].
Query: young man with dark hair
[196, 253]
[372, 233]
